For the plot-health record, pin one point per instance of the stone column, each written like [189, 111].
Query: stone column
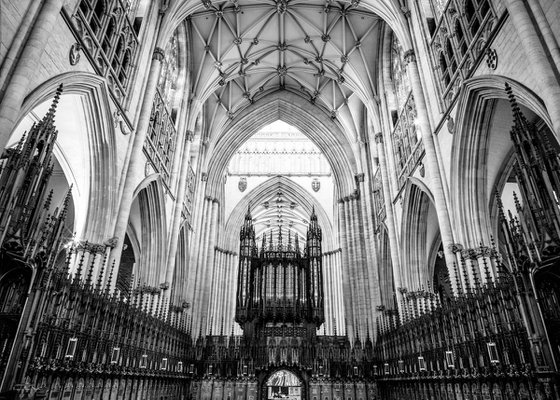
[546, 31]
[208, 262]
[369, 243]
[225, 295]
[336, 284]
[390, 218]
[353, 269]
[356, 239]
[17, 86]
[214, 289]
[538, 59]
[348, 299]
[327, 290]
[432, 168]
[200, 257]
[195, 269]
[230, 305]
[224, 282]
[224, 291]
[137, 160]
[178, 208]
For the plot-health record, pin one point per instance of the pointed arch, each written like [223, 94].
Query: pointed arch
[148, 221]
[480, 115]
[386, 278]
[419, 229]
[100, 135]
[296, 111]
[230, 238]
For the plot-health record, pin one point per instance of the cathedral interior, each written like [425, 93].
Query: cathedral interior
[280, 199]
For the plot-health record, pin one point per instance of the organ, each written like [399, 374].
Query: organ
[279, 285]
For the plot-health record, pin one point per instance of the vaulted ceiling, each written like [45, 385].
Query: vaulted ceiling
[323, 51]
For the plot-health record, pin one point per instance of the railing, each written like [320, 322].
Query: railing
[475, 47]
[407, 147]
[100, 61]
[478, 339]
[160, 143]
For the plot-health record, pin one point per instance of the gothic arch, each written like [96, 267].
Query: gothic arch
[471, 178]
[386, 279]
[100, 135]
[419, 230]
[230, 238]
[148, 222]
[296, 111]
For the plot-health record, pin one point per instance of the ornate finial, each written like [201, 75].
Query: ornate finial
[99, 284]
[465, 275]
[56, 100]
[66, 203]
[48, 201]
[457, 279]
[518, 116]
[110, 279]
[487, 275]
[90, 269]
[517, 203]
[248, 214]
[78, 275]
[68, 260]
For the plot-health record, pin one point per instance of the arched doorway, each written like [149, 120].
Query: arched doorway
[283, 384]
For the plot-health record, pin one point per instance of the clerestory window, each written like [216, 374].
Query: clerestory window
[162, 136]
[407, 147]
[455, 28]
[109, 40]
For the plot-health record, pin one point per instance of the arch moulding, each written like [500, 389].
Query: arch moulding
[101, 144]
[230, 238]
[470, 199]
[296, 111]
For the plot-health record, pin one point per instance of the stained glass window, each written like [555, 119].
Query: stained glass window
[399, 77]
[169, 71]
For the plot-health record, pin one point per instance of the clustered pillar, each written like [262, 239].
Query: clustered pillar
[136, 157]
[432, 168]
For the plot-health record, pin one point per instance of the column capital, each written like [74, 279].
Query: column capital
[159, 54]
[90, 247]
[409, 56]
[455, 247]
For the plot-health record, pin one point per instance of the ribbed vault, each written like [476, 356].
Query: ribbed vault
[291, 192]
[389, 11]
[243, 50]
[294, 110]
